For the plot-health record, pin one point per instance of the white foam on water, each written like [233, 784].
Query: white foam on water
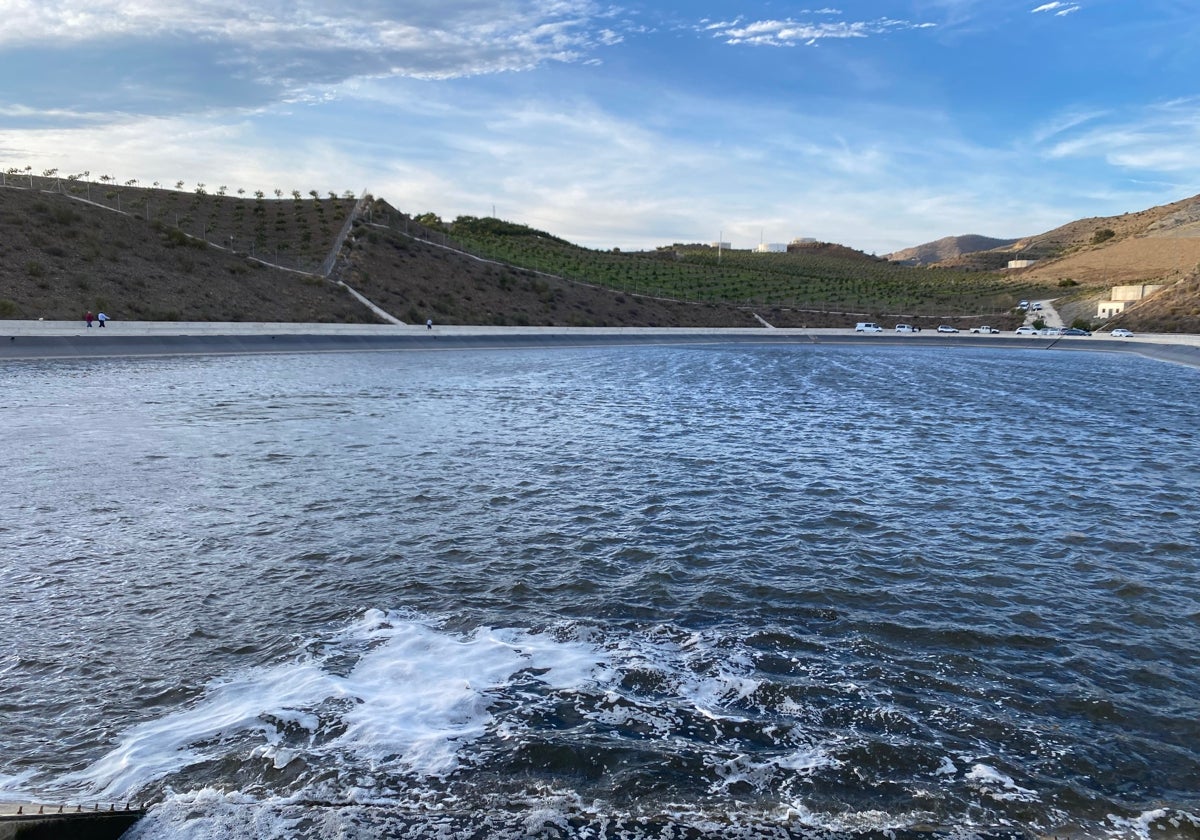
[12, 788]
[995, 784]
[394, 705]
[237, 705]
[763, 773]
[1156, 823]
[850, 822]
[413, 699]
[946, 768]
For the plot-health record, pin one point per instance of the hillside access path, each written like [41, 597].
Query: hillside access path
[1047, 313]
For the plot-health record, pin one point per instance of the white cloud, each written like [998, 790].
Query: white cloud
[789, 32]
[1160, 138]
[1060, 9]
[293, 42]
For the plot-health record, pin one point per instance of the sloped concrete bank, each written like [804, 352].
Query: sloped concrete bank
[42, 823]
[39, 340]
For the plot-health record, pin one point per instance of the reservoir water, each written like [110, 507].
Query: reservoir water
[722, 591]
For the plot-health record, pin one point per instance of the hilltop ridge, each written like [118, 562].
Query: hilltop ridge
[947, 248]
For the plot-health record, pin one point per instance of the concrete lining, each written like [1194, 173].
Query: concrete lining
[24, 821]
[71, 340]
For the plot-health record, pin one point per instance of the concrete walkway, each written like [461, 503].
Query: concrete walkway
[10, 329]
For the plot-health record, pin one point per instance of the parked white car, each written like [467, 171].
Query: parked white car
[985, 330]
[1121, 332]
[907, 328]
[867, 326]
[946, 328]
[1026, 330]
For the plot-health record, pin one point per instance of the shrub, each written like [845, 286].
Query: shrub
[1102, 235]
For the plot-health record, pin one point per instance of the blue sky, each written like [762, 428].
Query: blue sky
[877, 124]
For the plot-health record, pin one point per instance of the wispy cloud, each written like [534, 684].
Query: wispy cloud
[1061, 124]
[790, 31]
[1160, 138]
[288, 43]
[1058, 8]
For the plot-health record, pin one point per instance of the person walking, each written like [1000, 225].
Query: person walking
[88, 317]
[101, 318]
[429, 324]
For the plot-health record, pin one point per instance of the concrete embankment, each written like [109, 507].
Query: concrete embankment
[24, 821]
[71, 340]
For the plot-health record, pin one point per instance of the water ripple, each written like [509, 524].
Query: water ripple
[866, 589]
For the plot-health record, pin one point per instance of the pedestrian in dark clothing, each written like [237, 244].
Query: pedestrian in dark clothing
[88, 317]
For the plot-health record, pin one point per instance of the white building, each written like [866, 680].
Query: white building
[1122, 297]
[771, 248]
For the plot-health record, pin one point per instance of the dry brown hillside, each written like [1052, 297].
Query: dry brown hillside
[1156, 246]
[1171, 228]
[159, 254]
[120, 252]
[1160, 245]
[1173, 310]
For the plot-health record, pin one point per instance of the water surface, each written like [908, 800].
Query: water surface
[647, 591]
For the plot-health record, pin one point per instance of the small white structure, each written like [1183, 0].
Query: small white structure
[1134, 293]
[1111, 308]
[724, 246]
[804, 240]
[1122, 297]
[771, 248]
[1020, 263]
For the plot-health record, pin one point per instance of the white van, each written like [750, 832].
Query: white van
[867, 326]
[905, 328]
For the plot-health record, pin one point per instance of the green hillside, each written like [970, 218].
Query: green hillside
[801, 280]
